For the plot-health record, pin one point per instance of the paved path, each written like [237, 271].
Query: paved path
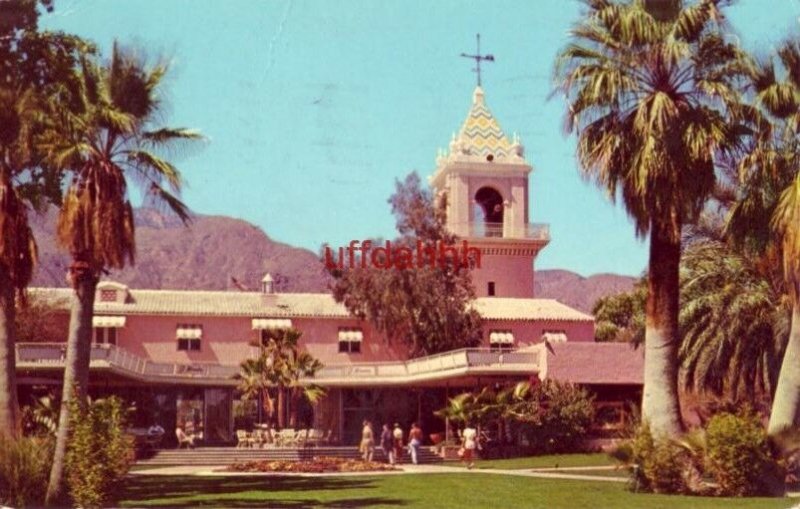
[404, 469]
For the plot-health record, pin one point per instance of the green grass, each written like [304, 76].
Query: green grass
[431, 491]
[550, 461]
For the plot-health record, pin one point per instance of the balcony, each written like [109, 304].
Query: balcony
[447, 365]
[531, 231]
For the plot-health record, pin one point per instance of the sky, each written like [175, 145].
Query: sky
[312, 108]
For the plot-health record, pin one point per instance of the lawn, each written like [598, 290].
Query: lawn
[550, 461]
[432, 491]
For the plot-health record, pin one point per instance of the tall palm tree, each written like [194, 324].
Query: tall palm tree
[646, 84]
[301, 364]
[17, 246]
[767, 215]
[108, 136]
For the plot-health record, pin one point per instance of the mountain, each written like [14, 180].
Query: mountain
[577, 291]
[205, 255]
[214, 249]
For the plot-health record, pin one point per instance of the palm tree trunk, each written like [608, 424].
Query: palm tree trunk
[660, 406]
[76, 371]
[9, 410]
[786, 404]
[293, 403]
[281, 407]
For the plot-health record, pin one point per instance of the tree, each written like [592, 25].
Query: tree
[427, 308]
[647, 91]
[106, 136]
[32, 64]
[281, 365]
[620, 317]
[767, 213]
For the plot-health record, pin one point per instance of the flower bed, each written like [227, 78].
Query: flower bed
[317, 465]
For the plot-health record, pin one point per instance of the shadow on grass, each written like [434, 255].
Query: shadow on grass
[277, 492]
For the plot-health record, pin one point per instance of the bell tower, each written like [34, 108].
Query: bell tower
[483, 181]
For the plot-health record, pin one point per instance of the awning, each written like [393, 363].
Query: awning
[501, 337]
[189, 332]
[108, 321]
[271, 323]
[351, 335]
[555, 337]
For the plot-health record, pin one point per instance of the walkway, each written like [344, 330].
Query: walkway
[563, 473]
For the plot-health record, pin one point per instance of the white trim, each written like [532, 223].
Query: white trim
[271, 323]
[189, 332]
[501, 337]
[351, 335]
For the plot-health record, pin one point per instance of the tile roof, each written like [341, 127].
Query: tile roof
[481, 134]
[322, 305]
[595, 363]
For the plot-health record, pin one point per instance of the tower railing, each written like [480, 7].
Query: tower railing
[530, 231]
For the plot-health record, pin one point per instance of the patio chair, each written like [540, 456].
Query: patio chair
[315, 436]
[327, 439]
[286, 437]
[243, 439]
[301, 437]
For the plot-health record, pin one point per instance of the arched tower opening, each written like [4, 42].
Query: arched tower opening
[489, 212]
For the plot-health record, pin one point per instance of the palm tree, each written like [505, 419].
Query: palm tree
[281, 365]
[108, 136]
[17, 246]
[767, 215]
[733, 322]
[647, 83]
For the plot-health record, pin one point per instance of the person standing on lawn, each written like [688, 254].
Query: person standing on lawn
[470, 443]
[414, 441]
[397, 434]
[367, 441]
[387, 443]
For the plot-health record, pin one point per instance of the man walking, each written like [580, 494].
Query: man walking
[414, 441]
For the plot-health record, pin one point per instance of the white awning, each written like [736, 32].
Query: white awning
[555, 337]
[271, 323]
[351, 335]
[501, 337]
[108, 321]
[189, 332]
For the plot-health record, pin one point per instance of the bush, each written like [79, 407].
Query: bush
[739, 458]
[99, 453]
[559, 417]
[657, 464]
[24, 470]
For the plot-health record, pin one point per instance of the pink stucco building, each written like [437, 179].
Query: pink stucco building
[175, 352]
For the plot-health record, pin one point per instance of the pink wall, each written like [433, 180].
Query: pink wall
[513, 276]
[526, 333]
[226, 340]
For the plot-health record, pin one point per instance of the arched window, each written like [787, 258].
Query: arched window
[489, 212]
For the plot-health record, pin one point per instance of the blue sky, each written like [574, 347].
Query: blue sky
[314, 107]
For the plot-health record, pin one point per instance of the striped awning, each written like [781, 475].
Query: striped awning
[271, 323]
[351, 335]
[108, 321]
[501, 337]
[189, 332]
[555, 337]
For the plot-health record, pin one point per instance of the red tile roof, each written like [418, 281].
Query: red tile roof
[595, 363]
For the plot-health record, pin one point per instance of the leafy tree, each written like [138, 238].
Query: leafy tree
[107, 136]
[40, 320]
[620, 317]
[32, 65]
[426, 308]
[766, 215]
[647, 85]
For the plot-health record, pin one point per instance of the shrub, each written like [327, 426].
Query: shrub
[99, 453]
[739, 458]
[560, 415]
[24, 470]
[657, 463]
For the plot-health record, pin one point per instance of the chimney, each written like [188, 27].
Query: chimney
[268, 295]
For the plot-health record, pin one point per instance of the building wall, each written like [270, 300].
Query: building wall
[226, 340]
[530, 332]
[512, 276]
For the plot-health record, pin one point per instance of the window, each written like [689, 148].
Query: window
[490, 289]
[189, 336]
[554, 336]
[501, 340]
[350, 340]
[105, 335]
[108, 295]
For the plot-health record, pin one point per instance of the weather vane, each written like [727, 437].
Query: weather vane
[478, 57]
